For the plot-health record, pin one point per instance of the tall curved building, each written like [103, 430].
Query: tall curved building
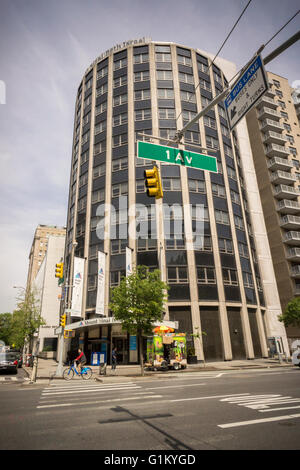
[224, 286]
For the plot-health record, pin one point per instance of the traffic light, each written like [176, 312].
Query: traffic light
[63, 319]
[59, 270]
[153, 183]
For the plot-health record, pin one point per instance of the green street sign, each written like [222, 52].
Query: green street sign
[176, 156]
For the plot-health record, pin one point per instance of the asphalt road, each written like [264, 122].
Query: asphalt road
[249, 409]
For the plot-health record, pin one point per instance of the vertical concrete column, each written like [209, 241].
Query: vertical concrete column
[188, 223]
[132, 243]
[108, 174]
[244, 312]
[214, 236]
[89, 194]
[161, 244]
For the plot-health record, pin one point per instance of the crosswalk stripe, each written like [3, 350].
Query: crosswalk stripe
[87, 390]
[258, 421]
[113, 400]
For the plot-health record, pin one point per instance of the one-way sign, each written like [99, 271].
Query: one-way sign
[246, 91]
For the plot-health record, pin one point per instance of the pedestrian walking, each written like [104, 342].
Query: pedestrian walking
[114, 359]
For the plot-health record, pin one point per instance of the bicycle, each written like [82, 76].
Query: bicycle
[86, 372]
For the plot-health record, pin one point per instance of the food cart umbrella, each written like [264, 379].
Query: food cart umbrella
[163, 329]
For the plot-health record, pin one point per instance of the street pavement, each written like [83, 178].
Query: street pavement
[47, 369]
[229, 409]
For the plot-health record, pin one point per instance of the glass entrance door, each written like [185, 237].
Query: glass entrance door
[122, 349]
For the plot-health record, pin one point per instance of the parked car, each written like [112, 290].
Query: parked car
[9, 362]
[19, 357]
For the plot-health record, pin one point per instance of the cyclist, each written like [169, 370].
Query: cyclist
[80, 360]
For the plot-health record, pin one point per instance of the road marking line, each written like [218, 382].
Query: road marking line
[100, 401]
[69, 392]
[67, 387]
[174, 386]
[258, 421]
[211, 397]
[279, 409]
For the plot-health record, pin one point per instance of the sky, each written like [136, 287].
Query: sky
[45, 48]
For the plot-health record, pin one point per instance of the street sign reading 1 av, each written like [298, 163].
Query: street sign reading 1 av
[176, 156]
[246, 91]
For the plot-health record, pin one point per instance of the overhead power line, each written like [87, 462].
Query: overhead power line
[223, 44]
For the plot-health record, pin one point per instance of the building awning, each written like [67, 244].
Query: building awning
[104, 321]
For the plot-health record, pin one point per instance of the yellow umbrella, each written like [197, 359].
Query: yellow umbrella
[163, 329]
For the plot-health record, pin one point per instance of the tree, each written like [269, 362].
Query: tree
[138, 302]
[5, 327]
[291, 315]
[26, 319]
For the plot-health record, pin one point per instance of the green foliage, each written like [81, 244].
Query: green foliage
[5, 327]
[26, 319]
[291, 315]
[138, 301]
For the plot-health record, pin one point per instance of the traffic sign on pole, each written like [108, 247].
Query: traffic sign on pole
[246, 91]
[176, 156]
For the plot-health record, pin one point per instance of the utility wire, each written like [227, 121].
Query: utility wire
[223, 44]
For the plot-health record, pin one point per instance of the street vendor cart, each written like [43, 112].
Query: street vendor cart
[166, 350]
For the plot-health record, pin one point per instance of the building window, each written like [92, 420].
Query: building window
[163, 57]
[100, 127]
[115, 277]
[192, 137]
[186, 78]
[196, 186]
[210, 122]
[101, 90]
[141, 76]
[239, 223]
[98, 196]
[120, 119]
[120, 99]
[166, 113]
[231, 173]
[199, 213]
[167, 133]
[187, 116]
[287, 127]
[102, 73]
[222, 112]
[235, 197]
[204, 101]
[146, 244]
[248, 280]
[118, 246]
[228, 151]
[140, 186]
[225, 245]
[212, 142]
[81, 204]
[230, 277]
[178, 275]
[85, 138]
[165, 93]
[120, 164]
[279, 93]
[187, 96]
[284, 115]
[119, 140]
[205, 84]
[206, 275]
[101, 108]
[218, 190]
[141, 58]
[142, 95]
[293, 151]
[120, 81]
[119, 189]
[181, 59]
[99, 170]
[175, 243]
[202, 67]
[276, 83]
[83, 180]
[99, 148]
[143, 114]
[205, 244]
[243, 250]
[171, 184]
[225, 131]
[119, 64]
[164, 75]
[222, 217]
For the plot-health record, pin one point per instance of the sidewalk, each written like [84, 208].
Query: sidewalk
[47, 369]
